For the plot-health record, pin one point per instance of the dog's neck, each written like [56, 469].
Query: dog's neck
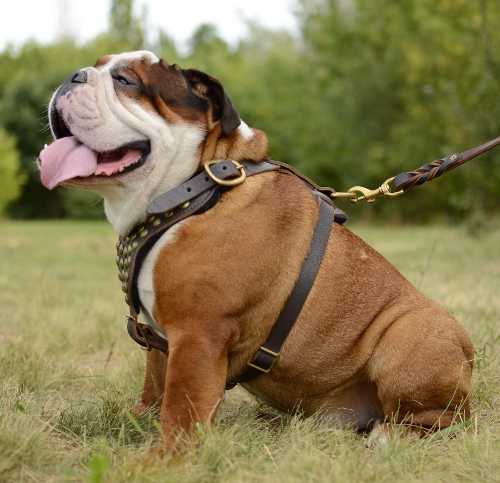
[125, 205]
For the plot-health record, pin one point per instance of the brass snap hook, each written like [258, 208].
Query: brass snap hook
[367, 194]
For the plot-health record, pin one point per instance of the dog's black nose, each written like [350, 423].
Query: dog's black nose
[79, 77]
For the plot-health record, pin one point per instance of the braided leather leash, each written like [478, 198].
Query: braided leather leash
[404, 182]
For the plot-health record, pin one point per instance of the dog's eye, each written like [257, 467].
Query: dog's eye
[122, 80]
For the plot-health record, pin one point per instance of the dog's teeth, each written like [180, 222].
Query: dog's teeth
[45, 147]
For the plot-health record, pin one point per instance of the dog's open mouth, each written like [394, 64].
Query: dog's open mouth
[67, 158]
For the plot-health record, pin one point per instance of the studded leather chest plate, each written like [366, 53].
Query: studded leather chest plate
[126, 249]
[132, 248]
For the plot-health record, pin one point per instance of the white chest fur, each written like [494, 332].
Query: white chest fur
[145, 282]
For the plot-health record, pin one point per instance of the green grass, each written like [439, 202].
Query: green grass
[69, 373]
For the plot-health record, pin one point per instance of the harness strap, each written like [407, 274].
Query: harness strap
[268, 353]
[202, 182]
[145, 336]
[227, 169]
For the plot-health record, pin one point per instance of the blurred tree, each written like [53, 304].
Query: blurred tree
[370, 89]
[165, 47]
[11, 176]
[125, 26]
[403, 83]
[209, 52]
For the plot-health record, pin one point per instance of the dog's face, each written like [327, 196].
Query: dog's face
[133, 127]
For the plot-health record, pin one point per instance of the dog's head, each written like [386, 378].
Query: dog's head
[133, 127]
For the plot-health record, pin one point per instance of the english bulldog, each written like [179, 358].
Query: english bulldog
[366, 346]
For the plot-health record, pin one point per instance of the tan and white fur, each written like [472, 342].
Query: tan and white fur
[367, 345]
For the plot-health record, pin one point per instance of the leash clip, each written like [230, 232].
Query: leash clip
[223, 182]
[367, 194]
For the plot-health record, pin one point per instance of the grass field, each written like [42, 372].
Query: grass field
[69, 373]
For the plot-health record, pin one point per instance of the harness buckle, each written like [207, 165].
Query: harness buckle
[223, 182]
[262, 360]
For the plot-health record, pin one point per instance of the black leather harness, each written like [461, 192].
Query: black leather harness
[195, 196]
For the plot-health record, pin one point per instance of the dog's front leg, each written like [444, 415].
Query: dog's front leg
[195, 381]
[154, 382]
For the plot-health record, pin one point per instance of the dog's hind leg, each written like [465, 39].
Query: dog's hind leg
[422, 367]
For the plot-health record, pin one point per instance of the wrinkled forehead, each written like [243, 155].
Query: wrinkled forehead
[127, 59]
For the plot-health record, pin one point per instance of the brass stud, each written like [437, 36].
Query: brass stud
[453, 157]
[140, 229]
[124, 287]
[132, 237]
[120, 250]
[127, 300]
[143, 233]
[184, 205]
[151, 218]
[118, 244]
[118, 260]
[168, 214]
[125, 274]
[120, 263]
[156, 222]
[134, 245]
[120, 276]
[127, 239]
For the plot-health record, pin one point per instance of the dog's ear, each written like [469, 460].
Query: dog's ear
[210, 89]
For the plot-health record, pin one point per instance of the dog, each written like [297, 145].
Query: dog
[366, 347]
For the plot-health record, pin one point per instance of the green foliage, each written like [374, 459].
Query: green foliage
[369, 89]
[124, 26]
[11, 178]
[404, 83]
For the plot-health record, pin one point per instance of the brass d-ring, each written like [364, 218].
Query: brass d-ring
[223, 182]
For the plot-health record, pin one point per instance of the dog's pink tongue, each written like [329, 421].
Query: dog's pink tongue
[64, 159]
